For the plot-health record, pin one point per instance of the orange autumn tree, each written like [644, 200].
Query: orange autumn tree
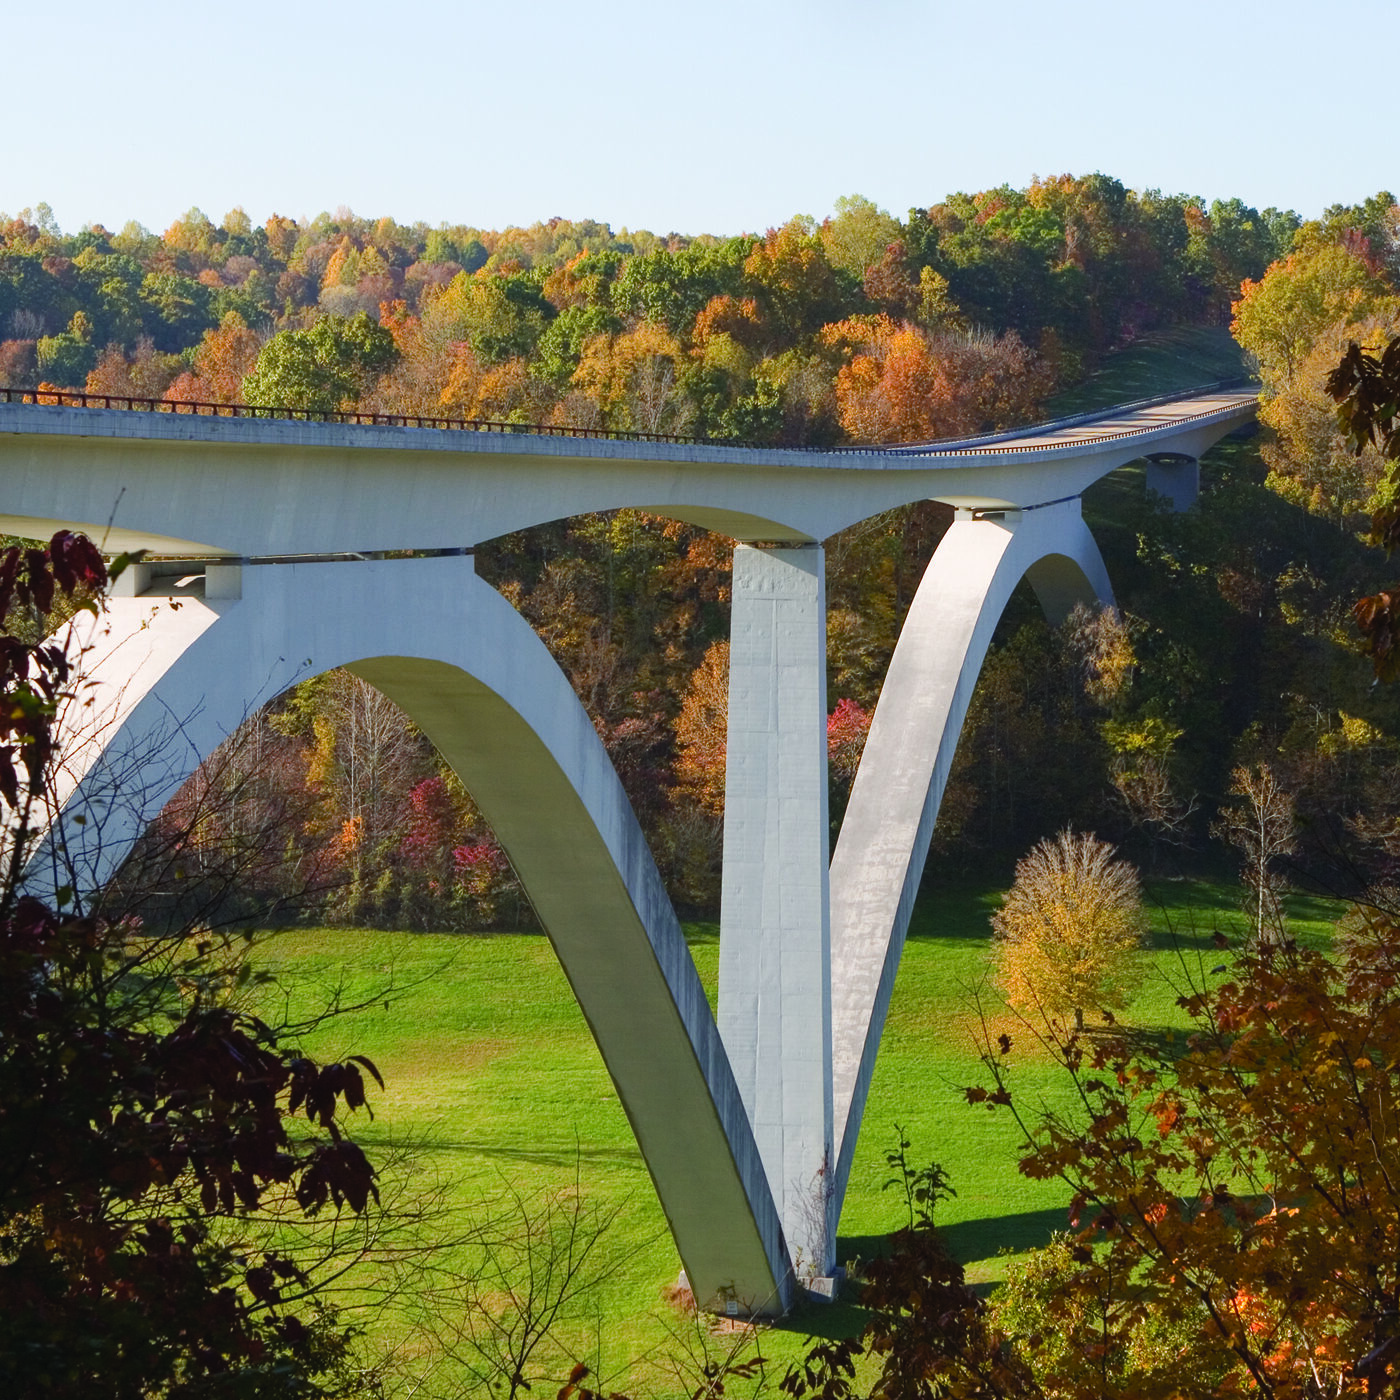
[900, 383]
[891, 389]
[1246, 1190]
[700, 731]
[144, 374]
[739, 319]
[224, 358]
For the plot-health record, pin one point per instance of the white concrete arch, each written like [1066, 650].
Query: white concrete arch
[170, 685]
[894, 802]
[809, 946]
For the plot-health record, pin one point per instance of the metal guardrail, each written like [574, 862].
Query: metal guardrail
[75, 398]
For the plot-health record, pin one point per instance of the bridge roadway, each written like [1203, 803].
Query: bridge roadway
[252, 487]
[747, 1121]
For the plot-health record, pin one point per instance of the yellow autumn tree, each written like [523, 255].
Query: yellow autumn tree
[462, 391]
[1069, 928]
[700, 731]
[633, 379]
[1297, 322]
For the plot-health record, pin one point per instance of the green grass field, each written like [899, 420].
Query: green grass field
[490, 1069]
[1161, 362]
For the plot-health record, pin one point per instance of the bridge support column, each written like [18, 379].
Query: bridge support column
[775, 931]
[1175, 476]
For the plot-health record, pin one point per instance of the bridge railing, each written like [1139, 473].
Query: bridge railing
[77, 398]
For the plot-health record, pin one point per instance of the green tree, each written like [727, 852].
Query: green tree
[65, 359]
[857, 237]
[324, 368]
[1278, 318]
[499, 317]
[178, 310]
[674, 287]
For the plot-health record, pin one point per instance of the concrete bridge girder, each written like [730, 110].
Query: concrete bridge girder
[169, 686]
[255, 487]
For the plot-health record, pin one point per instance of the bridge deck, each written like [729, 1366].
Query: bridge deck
[1110, 425]
[190, 483]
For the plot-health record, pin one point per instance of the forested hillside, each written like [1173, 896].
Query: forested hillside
[1234, 647]
[862, 327]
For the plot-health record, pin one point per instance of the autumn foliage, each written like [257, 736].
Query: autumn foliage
[902, 384]
[150, 1129]
[1242, 1186]
[1068, 928]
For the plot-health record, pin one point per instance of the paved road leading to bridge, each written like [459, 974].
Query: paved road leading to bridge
[1112, 424]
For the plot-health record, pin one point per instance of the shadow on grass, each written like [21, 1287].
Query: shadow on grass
[956, 911]
[1156, 1044]
[564, 1155]
[828, 1322]
[969, 1241]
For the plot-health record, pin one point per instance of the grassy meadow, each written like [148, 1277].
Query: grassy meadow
[492, 1074]
[1165, 361]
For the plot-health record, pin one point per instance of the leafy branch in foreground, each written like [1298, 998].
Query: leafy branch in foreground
[1366, 387]
[151, 1131]
[1241, 1190]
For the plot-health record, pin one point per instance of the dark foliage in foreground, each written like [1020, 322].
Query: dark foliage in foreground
[151, 1132]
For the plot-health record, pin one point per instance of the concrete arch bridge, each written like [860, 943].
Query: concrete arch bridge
[748, 1120]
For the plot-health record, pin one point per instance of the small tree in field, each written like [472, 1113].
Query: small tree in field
[1068, 928]
[1260, 825]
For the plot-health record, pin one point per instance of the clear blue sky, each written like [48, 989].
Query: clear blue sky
[718, 117]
